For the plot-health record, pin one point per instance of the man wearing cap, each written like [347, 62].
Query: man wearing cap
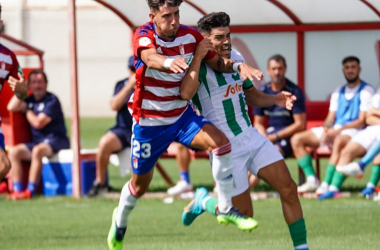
[118, 137]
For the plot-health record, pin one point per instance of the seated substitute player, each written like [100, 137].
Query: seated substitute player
[44, 114]
[223, 98]
[365, 142]
[119, 136]
[163, 49]
[348, 106]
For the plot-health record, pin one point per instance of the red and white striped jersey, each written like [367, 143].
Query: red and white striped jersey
[8, 66]
[157, 99]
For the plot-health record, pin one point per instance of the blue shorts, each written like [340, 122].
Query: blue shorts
[284, 144]
[150, 142]
[56, 143]
[2, 144]
[123, 134]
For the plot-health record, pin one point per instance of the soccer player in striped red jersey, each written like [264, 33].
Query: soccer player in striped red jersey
[9, 71]
[163, 49]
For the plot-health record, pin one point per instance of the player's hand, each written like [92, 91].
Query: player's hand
[179, 65]
[372, 111]
[203, 47]
[285, 99]
[18, 85]
[331, 134]
[247, 71]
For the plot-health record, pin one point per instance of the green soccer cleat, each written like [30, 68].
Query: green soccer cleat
[194, 208]
[233, 216]
[115, 237]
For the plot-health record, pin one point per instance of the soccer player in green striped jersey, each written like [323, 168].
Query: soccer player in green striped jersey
[222, 98]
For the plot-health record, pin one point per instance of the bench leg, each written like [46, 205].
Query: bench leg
[164, 175]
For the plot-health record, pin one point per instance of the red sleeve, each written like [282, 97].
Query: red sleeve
[15, 67]
[199, 38]
[143, 39]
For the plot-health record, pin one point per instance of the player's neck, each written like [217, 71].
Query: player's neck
[354, 84]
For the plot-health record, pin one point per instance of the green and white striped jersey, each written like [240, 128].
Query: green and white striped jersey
[220, 98]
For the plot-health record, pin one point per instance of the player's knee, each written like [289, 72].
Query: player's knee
[289, 191]
[295, 140]
[5, 167]
[103, 144]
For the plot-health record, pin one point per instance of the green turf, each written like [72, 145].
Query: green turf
[64, 223]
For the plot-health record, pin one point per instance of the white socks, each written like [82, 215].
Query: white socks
[127, 203]
[222, 173]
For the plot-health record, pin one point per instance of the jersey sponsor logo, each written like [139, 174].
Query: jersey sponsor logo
[41, 107]
[144, 41]
[233, 89]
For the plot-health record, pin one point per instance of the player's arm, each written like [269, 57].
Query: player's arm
[153, 60]
[257, 98]
[330, 120]
[258, 123]
[373, 116]
[225, 65]
[16, 105]
[18, 86]
[119, 100]
[37, 121]
[190, 82]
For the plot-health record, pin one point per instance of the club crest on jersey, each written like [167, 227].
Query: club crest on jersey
[159, 50]
[144, 41]
[41, 106]
[233, 89]
[135, 163]
[181, 49]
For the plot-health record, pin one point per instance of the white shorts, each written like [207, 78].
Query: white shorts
[319, 131]
[367, 136]
[251, 152]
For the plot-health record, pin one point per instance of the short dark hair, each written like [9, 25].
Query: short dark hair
[213, 20]
[36, 72]
[277, 58]
[350, 59]
[156, 4]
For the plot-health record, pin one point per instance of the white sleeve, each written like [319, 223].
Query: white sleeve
[366, 97]
[334, 99]
[376, 99]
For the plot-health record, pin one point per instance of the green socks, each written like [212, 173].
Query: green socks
[375, 175]
[298, 232]
[306, 165]
[210, 204]
[330, 170]
[338, 179]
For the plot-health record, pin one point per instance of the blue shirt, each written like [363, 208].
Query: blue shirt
[280, 117]
[50, 106]
[123, 117]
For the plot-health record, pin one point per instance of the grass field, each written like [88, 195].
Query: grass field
[65, 223]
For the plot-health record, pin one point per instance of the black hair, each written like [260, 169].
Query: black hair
[36, 72]
[350, 59]
[277, 58]
[156, 4]
[213, 20]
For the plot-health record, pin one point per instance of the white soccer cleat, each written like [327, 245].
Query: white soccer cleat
[351, 169]
[308, 187]
[322, 189]
[180, 187]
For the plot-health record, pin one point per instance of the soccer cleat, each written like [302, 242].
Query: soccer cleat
[322, 189]
[97, 189]
[329, 195]
[115, 237]
[368, 191]
[307, 187]
[352, 168]
[233, 216]
[26, 194]
[180, 187]
[194, 208]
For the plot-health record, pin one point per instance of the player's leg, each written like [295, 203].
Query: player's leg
[108, 144]
[148, 144]
[17, 154]
[299, 142]
[5, 164]
[374, 179]
[183, 160]
[333, 179]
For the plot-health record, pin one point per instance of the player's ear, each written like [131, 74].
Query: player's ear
[152, 16]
